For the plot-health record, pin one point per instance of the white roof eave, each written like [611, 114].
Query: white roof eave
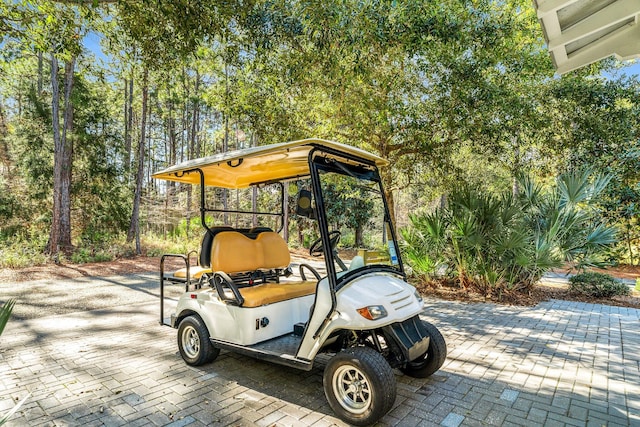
[581, 32]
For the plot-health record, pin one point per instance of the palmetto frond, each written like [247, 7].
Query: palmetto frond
[5, 313]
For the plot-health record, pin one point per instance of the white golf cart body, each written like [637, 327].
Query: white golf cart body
[241, 328]
[249, 302]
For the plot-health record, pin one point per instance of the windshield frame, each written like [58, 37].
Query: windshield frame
[322, 159]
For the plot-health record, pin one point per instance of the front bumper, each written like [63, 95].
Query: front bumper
[408, 339]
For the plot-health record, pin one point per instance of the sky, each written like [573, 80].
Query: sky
[632, 69]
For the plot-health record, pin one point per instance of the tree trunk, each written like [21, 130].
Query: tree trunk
[4, 146]
[54, 235]
[173, 158]
[300, 233]
[40, 77]
[194, 146]
[60, 234]
[225, 141]
[67, 158]
[385, 176]
[149, 146]
[254, 192]
[359, 237]
[629, 239]
[285, 220]
[134, 227]
[128, 125]
[515, 169]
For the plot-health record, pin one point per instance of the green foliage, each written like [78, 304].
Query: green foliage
[501, 242]
[348, 207]
[425, 242]
[602, 117]
[23, 251]
[447, 91]
[85, 255]
[597, 285]
[5, 313]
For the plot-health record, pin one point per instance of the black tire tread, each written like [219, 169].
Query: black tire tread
[437, 352]
[384, 383]
[208, 352]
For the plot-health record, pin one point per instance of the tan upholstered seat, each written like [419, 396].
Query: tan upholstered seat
[270, 293]
[233, 252]
[275, 251]
[195, 272]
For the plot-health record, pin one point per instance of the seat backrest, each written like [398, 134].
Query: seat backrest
[232, 252]
[206, 243]
[275, 252]
[254, 232]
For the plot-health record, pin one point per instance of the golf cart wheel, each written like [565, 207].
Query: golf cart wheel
[193, 342]
[432, 360]
[359, 385]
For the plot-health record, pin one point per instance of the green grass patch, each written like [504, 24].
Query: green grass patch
[24, 252]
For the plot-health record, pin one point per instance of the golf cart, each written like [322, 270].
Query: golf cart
[243, 295]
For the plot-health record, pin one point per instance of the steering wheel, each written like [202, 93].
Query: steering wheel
[316, 248]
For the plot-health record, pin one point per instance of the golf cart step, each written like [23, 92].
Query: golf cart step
[287, 344]
[279, 350]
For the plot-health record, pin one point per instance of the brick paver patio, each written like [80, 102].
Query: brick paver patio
[558, 363]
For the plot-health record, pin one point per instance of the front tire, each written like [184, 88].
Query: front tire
[193, 342]
[359, 385]
[425, 365]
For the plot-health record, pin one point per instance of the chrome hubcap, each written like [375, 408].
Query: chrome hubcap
[352, 389]
[190, 342]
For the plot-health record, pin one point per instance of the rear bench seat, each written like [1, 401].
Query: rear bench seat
[234, 253]
[204, 258]
[270, 293]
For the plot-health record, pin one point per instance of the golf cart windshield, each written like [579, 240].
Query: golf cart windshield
[351, 205]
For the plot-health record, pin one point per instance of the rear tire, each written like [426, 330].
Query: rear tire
[425, 365]
[359, 385]
[194, 343]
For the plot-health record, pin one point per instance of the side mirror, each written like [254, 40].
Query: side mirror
[304, 207]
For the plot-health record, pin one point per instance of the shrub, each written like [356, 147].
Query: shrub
[5, 313]
[502, 242]
[21, 253]
[597, 285]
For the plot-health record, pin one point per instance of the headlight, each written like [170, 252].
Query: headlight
[373, 312]
[418, 296]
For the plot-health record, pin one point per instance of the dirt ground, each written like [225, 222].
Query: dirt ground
[70, 271]
[152, 264]
[543, 291]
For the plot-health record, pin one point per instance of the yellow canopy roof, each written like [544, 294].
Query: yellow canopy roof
[242, 168]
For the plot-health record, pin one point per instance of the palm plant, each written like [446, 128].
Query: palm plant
[5, 313]
[504, 242]
[425, 243]
[566, 221]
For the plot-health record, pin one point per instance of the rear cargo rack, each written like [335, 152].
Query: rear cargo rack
[186, 281]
